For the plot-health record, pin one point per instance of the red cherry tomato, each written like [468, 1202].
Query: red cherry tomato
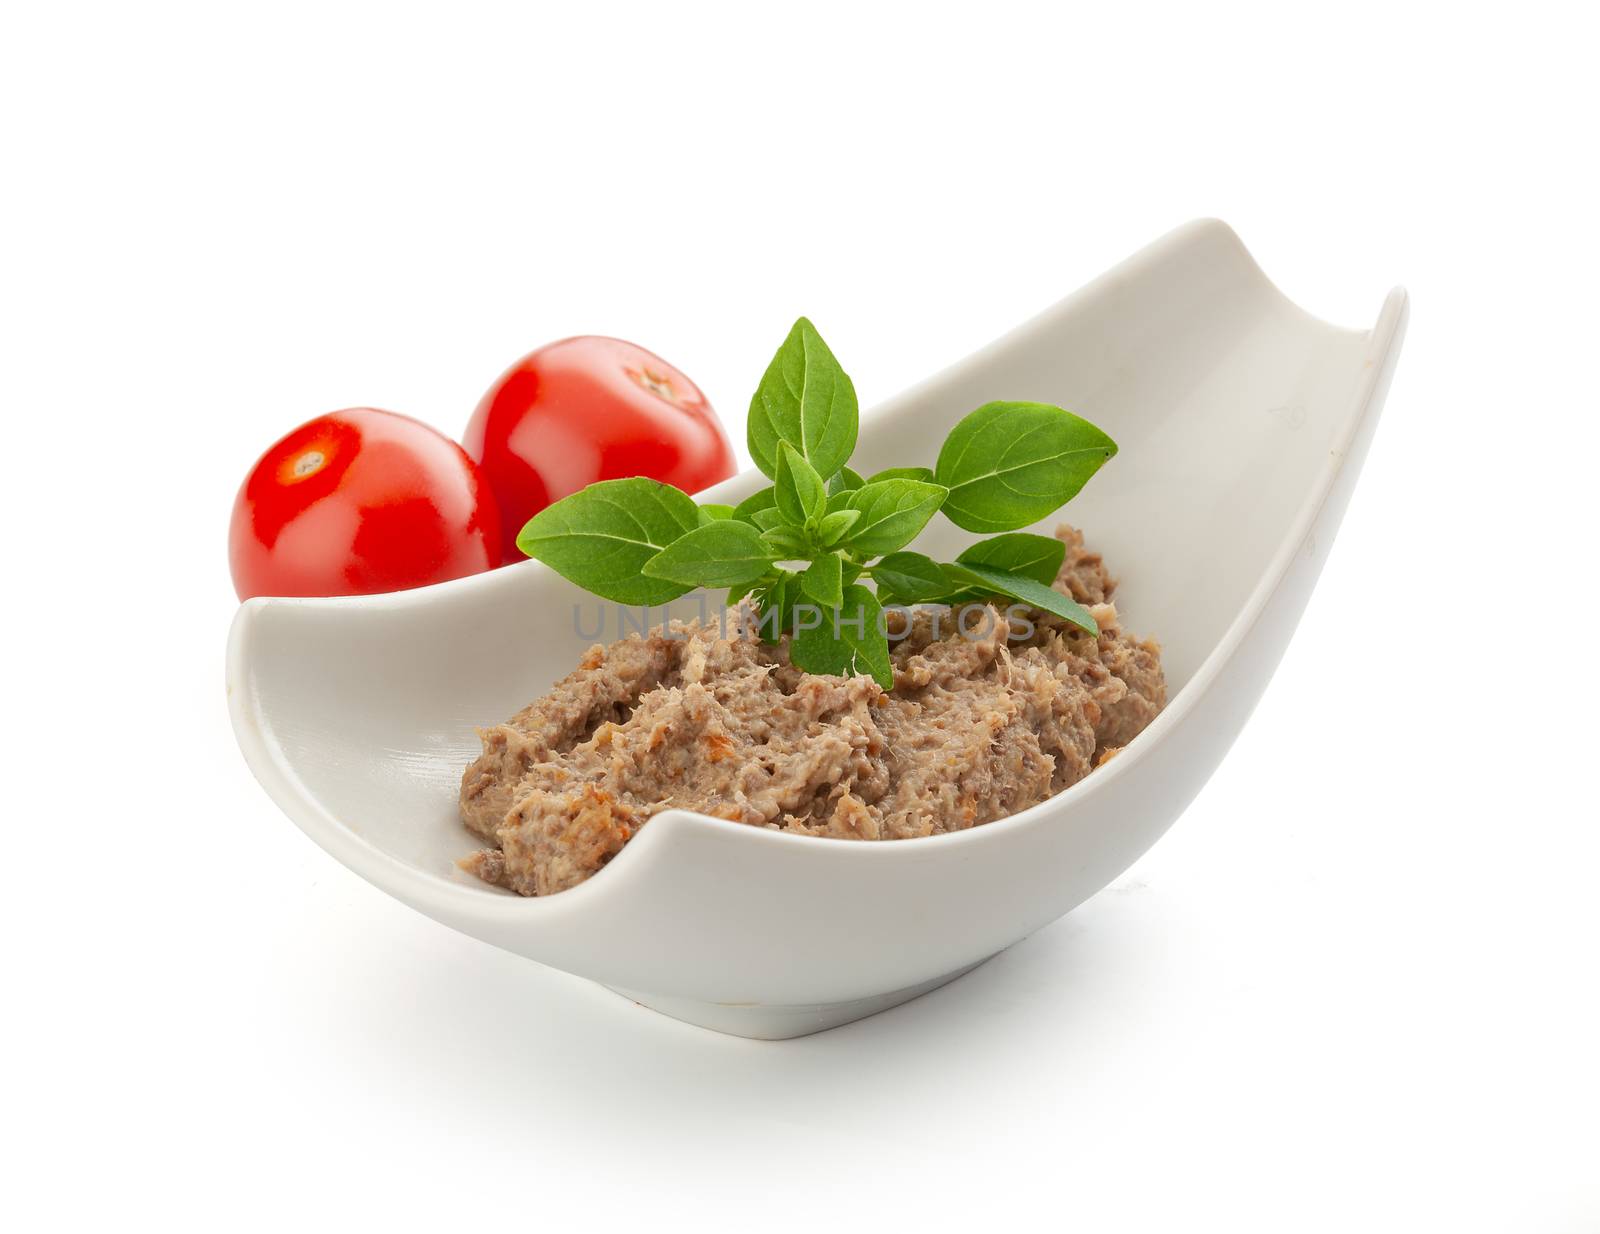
[360, 501]
[588, 409]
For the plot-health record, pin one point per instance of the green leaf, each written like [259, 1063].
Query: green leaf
[892, 513]
[823, 580]
[711, 510]
[962, 586]
[840, 500]
[848, 640]
[767, 519]
[806, 399]
[1032, 593]
[903, 473]
[601, 536]
[720, 554]
[844, 480]
[787, 543]
[761, 499]
[1035, 557]
[910, 578]
[833, 526]
[1010, 464]
[776, 601]
[802, 496]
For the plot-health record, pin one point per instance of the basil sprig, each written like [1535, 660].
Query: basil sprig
[800, 548]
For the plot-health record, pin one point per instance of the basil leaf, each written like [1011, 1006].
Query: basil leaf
[1010, 464]
[801, 494]
[806, 399]
[823, 580]
[1033, 593]
[711, 511]
[892, 513]
[601, 536]
[787, 543]
[766, 520]
[910, 577]
[843, 481]
[833, 526]
[719, 554]
[849, 640]
[1035, 557]
[903, 473]
[962, 586]
[777, 600]
[761, 499]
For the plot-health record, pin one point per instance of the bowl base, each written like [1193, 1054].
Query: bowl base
[776, 1022]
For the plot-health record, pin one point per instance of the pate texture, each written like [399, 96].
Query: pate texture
[713, 720]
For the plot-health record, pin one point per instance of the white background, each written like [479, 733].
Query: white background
[1354, 988]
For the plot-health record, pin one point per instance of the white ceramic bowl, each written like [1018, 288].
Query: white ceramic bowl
[1242, 423]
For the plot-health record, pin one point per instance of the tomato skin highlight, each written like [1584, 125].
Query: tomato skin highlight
[591, 408]
[361, 501]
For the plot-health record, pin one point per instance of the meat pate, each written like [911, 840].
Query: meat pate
[707, 717]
